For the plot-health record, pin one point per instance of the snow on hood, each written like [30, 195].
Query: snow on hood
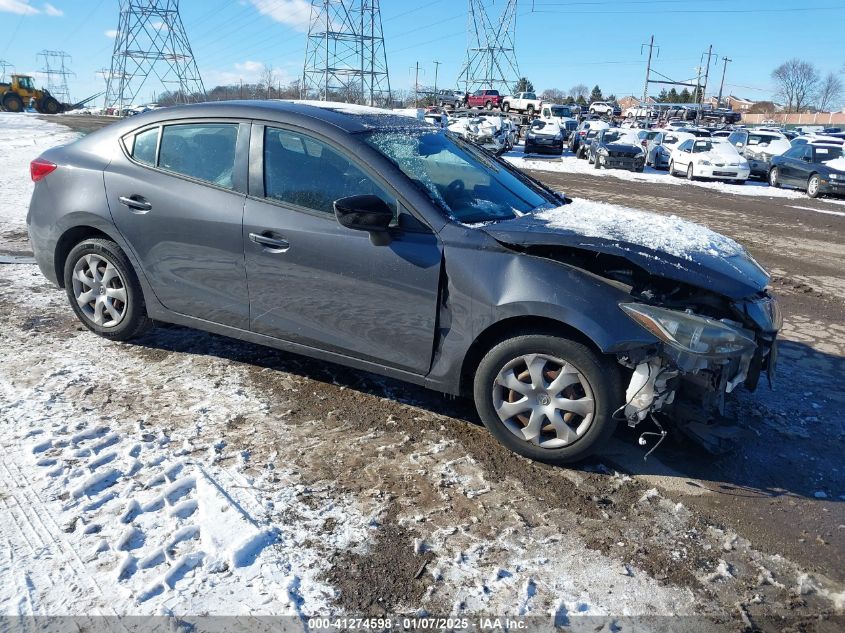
[484, 125]
[837, 163]
[667, 234]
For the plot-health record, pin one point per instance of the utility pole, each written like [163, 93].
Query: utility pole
[722, 84]
[703, 88]
[436, 68]
[416, 68]
[648, 70]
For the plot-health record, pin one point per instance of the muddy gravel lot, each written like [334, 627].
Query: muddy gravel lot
[401, 497]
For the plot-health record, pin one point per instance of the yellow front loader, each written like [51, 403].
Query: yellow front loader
[16, 95]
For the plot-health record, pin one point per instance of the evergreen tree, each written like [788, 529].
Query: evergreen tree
[581, 100]
[524, 85]
[596, 95]
[663, 97]
[611, 98]
[673, 96]
[685, 96]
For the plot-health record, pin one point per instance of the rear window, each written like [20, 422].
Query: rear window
[200, 150]
[144, 146]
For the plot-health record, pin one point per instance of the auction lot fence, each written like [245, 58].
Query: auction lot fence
[804, 118]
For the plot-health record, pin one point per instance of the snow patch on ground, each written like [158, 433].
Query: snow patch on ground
[669, 234]
[23, 137]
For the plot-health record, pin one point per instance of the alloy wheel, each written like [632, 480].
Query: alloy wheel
[543, 400]
[774, 181]
[99, 290]
[813, 186]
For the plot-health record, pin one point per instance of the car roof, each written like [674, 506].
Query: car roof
[349, 117]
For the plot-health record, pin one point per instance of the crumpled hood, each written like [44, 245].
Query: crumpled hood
[666, 246]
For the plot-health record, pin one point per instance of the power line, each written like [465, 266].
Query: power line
[491, 50]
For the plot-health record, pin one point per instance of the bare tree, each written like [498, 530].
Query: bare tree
[267, 80]
[830, 92]
[579, 90]
[797, 83]
[553, 95]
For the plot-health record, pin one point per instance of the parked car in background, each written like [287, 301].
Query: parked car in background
[695, 131]
[803, 140]
[562, 115]
[493, 132]
[616, 148]
[721, 133]
[355, 236]
[487, 99]
[522, 102]
[450, 98]
[605, 108]
[759, 147]
[725, 116]
[543, 137]
[659, 150]
[817, 168]
[709, 158]
[577, 139]
[645, 136]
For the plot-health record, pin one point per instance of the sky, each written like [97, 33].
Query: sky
[559, 43]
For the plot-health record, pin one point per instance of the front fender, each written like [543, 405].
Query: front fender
[488, 284]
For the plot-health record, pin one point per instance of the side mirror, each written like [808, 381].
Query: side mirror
[365, 213]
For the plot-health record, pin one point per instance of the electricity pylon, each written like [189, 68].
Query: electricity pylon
[56, 71]
[345, 59]
[151, 42]
[491, 50]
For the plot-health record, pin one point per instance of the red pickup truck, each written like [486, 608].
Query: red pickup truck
[485, 99]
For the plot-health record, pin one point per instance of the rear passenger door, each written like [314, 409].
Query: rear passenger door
[176, 194]
[319, 284]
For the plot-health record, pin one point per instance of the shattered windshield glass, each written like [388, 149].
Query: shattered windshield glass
[468, 184]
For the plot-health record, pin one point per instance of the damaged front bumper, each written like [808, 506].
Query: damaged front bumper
[697, 362]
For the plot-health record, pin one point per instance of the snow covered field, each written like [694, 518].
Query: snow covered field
[189, 474]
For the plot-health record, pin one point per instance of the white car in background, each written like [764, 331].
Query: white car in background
[712, 158]
[659, 149]
[564, 116]
[493, 132]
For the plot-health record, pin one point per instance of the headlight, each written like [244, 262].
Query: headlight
[837, 176]
[703, 161]
[691, 333]
[602, 151]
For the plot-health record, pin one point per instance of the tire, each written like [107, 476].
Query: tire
[12, 102]
[129, 304]
[530, 110]
[690, 175]
[774, 177]
[593, 379]
[671, 168]
[49, 105]
[506, 107]
[592, 111]
[813, 186]
[597, 162]
[488, 105]
[442, 104]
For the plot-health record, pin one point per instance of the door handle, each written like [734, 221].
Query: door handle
[273, 244]
[138, 203]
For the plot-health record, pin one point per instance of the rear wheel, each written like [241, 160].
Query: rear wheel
[12, 102]
[488, 105]
[530, 110]
[506, 107]
[814, 186]
[103, 290]
[774, 177]
[547, 397]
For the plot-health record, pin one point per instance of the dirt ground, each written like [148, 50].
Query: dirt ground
[755, 535]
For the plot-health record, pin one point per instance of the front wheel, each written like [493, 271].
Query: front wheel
[814, 186]
[103, 290]
[690, 175]
[531, 110]
[671, 168]
[774, 177]
[548, 398]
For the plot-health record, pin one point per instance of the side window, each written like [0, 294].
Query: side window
[685, 146]
[308, 173]
[546, 112]
[144, 147]
[734, 138]
[200, 150]
[795, 152]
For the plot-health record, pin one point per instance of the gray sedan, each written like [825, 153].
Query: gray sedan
[378, 242]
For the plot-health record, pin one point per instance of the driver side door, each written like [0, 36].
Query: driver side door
[316, 283]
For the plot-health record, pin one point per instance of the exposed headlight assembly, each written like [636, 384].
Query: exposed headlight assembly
[691, 333]
[703, 161]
